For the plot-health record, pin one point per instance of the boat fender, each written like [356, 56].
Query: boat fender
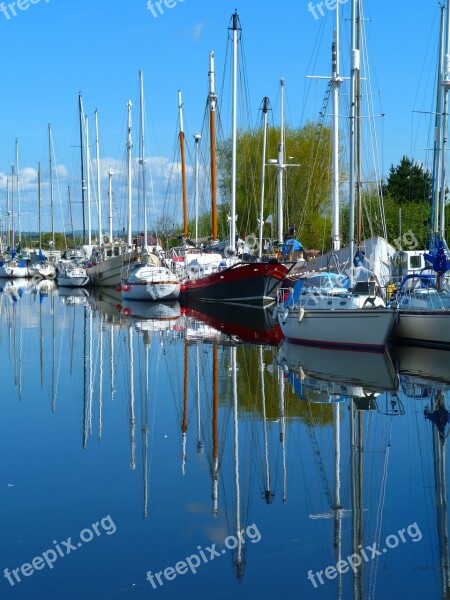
[118, 288]
[182, 288]
[301, 314]
[126, 288]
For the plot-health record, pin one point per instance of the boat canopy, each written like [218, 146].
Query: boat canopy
[323, 282]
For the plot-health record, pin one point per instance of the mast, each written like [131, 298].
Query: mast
[446, 87]
[88, 186]
[83, 184]
[129, 147]
[358, 133]
[142, 153]
[335, 84]
[99, 191]
[235, 28]
[435, 197]
[51, 183]
[110, 175]
[197, 138]
[280, 167]
[212, 100]
[18, 192]
[8, 215]
[39, 206]
[183, 166]
[265, 109]
[70, 215]
[13, 233]
[355, 65]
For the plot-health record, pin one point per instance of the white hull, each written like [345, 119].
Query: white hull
[431, 327]
[358, 328]
[150, 291]
[65, 281]
[13, 272]
[43, 271]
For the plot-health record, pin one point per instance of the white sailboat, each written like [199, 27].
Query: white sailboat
[424, 298]
[148, 281]
[321, 310]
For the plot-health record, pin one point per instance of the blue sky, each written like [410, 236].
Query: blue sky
[53, 49]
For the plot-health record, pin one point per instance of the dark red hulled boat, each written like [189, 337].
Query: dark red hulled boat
[243, 283]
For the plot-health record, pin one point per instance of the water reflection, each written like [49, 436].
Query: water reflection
[180, 423]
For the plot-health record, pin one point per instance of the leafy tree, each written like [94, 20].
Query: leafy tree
[307, 188]
[408, 182]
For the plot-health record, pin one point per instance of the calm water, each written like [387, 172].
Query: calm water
[134, 448]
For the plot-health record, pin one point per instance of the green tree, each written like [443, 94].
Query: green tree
[408, 182]
[307, 188]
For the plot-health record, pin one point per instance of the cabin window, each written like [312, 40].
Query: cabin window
[415, 262]
[342, 303]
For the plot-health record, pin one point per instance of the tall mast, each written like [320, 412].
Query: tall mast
[183, 166]
[18, 191]
[142, 152]
[129, 147]
[70, 214]
[446, 87]
[83, 184]
[13, 232]
[265, 109]
[50, 152]
[235, 30]
[99, 194]
[212, 100]
[435, 197]
[110, 175]
[8, 215]
[355, 65]
[88, 180]
[197, 138]
[39, 206]
[358, 131]
[335, 83]
[281, 167]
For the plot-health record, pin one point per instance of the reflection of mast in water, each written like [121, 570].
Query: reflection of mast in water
[132, 417]
[239, 554]
[91, 373]
[357, 496]
[440, 417]
[85, 361]
[282, 428]
[267, 495]
[185, 406]
[111, 360]
[144, 418]
[215, 426]
[337, 507]
[100, 385]
[199, 434]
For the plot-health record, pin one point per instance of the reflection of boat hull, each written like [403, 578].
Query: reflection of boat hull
[368, 370]
[73, 278]
[431, 327]
[249, 283]
[151, 310]
[423, 364]
[249, 323]
[43, 271]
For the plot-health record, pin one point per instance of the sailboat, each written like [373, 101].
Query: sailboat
[325, 309]
[232, 280]
[148, 281]
[423, 298]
